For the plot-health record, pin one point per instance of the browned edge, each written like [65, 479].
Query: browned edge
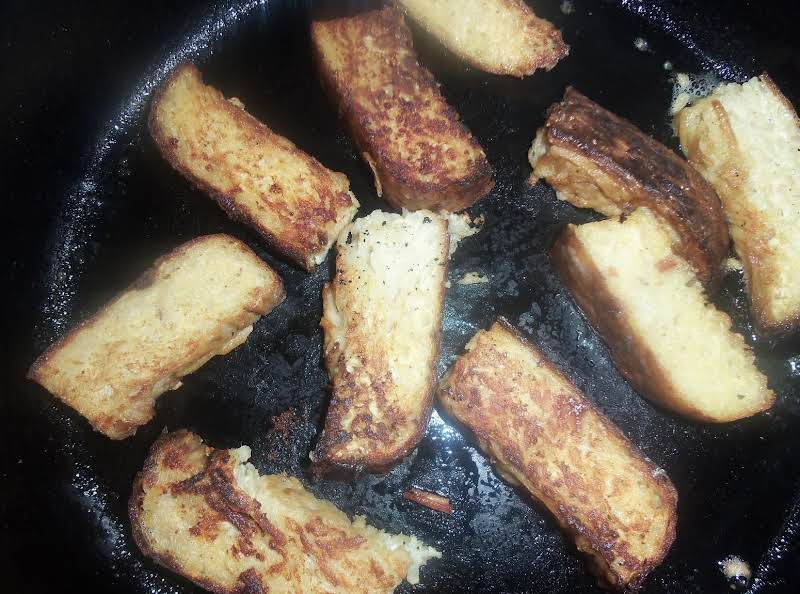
[767, 326]
[706, 245]
[227, 203]
[545, 60]
[144, 280]
[396, 182]
[325, 466]
[137, 525]
[668, 491]
[631, 354]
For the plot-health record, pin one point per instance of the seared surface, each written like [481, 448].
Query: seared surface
[673, 345]
[498, 36]
[544, 435]
[745, 139]
[198, 301]
[421, 154]
[259, 177]
[382, 317]
[210, 516]
[595, 159]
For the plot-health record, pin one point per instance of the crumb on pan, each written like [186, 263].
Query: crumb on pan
[736, 571]
[472, 278]
[732, 264]
[460, 226]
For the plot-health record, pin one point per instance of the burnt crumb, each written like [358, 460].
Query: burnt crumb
[426, 220]
[279, 438]
[349, 239]
[430, 500]
[383, 224]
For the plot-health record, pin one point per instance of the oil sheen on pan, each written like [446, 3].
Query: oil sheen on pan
[271, 393]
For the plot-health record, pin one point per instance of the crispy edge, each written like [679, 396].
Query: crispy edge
[731, 178]
[145, 280]
[542, 29]
[135, 502]
[596, 543]
[630, 351]
[693, 209]
[229, 204]
[325, 463]
[394, 181]
[769, 325]
[237, 508]
[250, 582]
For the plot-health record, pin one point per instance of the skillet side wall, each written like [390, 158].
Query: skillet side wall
[67, 69]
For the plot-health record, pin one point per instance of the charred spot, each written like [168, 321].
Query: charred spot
[251, 583]
[207, 527]
[650, 173]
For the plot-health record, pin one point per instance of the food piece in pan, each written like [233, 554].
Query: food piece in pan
[258, 177]
[420, 153]
[673, 345]
[208, 515]
[595, 159]
[545, 436]
[196, 302]
[745, 139]
[382, 317]
[498, 36]
[430, 500]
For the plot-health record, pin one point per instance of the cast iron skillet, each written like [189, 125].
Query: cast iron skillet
[83, 224]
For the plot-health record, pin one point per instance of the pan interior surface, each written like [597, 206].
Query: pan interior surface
[736, 482]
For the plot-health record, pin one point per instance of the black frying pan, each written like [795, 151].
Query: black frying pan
[89, 203]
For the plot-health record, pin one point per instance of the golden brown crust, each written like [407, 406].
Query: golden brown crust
[629, 348]
[149, 474]
[630, 352]
[382, 365]
[767, 324]
[535, 43]
[191, 513]
[710, 144]
[596, 159]
[545, 436]
[299, 217]
[396, 114]
[162, 371]
[329, 461]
